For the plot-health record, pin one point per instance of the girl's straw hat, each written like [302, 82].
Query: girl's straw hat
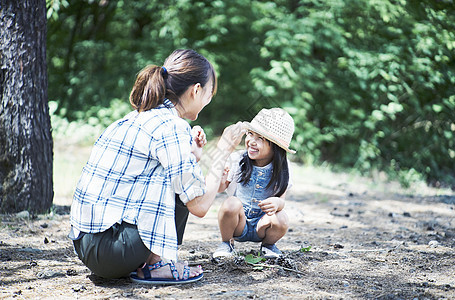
[274, 124]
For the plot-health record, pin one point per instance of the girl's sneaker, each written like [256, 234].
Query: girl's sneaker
[225, 249]
[270, 251]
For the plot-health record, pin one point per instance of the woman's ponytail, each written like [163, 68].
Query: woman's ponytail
[149, 90]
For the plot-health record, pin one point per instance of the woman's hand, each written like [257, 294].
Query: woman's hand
[199, 141]
[231, 137]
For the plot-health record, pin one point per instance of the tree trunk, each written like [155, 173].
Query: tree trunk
[25, 131]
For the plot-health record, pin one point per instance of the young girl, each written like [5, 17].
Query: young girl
[256, 182]
[123, 210]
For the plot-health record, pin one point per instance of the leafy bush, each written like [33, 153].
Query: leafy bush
[86, 129]
[370, 84]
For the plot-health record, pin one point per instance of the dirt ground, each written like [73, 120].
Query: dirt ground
[368, 241]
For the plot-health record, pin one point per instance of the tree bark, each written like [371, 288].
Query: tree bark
[26, 154]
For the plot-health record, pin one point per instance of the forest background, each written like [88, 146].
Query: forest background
[369, 83]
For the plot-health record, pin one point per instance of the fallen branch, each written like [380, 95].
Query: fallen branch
[197, 262]
[277, 266]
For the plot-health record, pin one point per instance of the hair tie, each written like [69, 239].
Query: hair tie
[164, 72]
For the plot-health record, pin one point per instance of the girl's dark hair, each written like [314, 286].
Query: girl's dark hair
[181, 69]
[280, 175]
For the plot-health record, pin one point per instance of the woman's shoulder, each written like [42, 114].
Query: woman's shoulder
[164, 122]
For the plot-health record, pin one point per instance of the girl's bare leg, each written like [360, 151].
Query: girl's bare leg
[273, 228]
[231, 218]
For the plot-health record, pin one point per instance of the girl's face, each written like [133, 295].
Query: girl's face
[195, 99]
[259, 149]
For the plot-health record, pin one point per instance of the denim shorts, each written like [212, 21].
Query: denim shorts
[250, 233]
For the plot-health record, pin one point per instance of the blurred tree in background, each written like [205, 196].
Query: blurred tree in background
[370, 83]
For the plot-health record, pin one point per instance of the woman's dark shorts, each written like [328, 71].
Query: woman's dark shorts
[113, 253]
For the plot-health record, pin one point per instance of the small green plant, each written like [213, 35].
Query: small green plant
[258, 263]
[254, 260]
[305, 249]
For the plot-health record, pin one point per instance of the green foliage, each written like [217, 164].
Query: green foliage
[89, 126]
[305, 249]
[370, 84]
[253, 259]
[96, 48]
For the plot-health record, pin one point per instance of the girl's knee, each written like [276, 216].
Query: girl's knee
[281, 220]
[231, 205]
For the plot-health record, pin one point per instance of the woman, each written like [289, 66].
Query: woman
[122, 215]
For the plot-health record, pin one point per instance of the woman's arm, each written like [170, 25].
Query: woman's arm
[229, 140]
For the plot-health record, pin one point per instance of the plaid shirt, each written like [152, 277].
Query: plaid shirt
[134, 171]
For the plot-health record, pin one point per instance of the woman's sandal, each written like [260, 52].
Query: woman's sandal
[148, 279]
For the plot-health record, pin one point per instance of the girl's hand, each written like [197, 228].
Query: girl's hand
[199, 141]
[225, 174]
[224, 183]
[199, 136]
[269, 205]
[232, 136]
